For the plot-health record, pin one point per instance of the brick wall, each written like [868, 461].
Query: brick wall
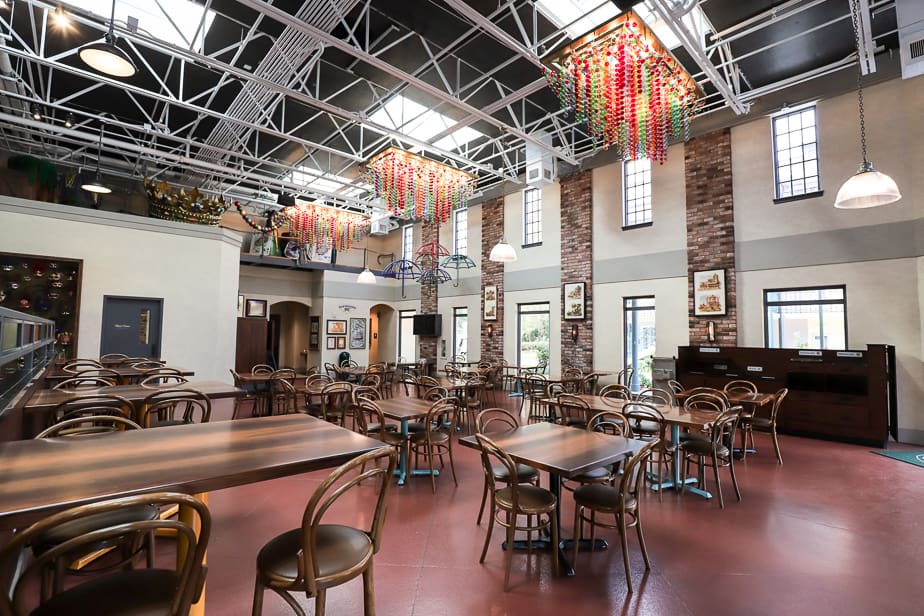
[428, 298]
[492, 229]
[711, 229]
[577, 264]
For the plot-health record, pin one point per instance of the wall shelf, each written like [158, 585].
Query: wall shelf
[27, 344]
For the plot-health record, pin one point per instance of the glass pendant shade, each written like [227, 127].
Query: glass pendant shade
[502, 252]
[106, 58]
[96, 186]
[867, 188]
[366, 277]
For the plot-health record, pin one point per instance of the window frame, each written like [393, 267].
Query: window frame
[820, 302]
[775, 152]
[520, 313]
[626, 199]
[457, 312]
[402, 315]
[626, 311]
[460, 231]
[532, 229]
[407, 243]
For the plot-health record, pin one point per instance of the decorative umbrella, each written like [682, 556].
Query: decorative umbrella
[402, 269]
[457, 262]
[434, 275]
[430, 253]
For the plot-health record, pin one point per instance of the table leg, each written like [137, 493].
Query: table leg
[188, 516]
[403, 462]
[674, 481]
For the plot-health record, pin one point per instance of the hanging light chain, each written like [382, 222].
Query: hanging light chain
[855, 18]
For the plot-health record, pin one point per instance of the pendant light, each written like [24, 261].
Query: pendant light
[502, 252]
[105, 57]
[96, 186]
[366, 276]
[868, 187]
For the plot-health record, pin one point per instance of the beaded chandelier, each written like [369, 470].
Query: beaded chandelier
[318, 225]
[417, 187]
[631, 92]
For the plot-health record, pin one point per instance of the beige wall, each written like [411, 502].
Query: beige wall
[549, 253]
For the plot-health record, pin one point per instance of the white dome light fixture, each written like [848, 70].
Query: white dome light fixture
[97, 186]
[366, 276]
[502, 252]
[104, 56]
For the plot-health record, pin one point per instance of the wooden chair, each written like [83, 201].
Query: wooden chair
[370, 421]
[148, 364]
[174, 407]
[113, 358]
[534, 390]
[496, 420]
[283, 398]
[102, 373]
[411, 384]
[88, 424]
[612, 423]
[262, 369]
[335, 402]
[151, 375]
[476, 394]
[675, 386]
[740, 385]
[624, 376]
[514, 500]
[716, 450]
[97, 403]
[250, 398]
[572, 411]
[655, 395]
[84, 382]
[647, 423]
[319, 555]
[623, 502]
[153, 380]
[751, 423]
[616, 391]
[435, 439]
[167, 591]
[77, 365]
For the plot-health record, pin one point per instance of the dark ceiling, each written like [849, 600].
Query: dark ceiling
[294, 83]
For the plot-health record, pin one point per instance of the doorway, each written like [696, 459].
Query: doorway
[287, 334]
[533, 335]
[383, 334]
[132, 326]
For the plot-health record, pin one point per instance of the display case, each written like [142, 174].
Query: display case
[27, 344]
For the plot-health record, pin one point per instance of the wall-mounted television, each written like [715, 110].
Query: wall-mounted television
[428, 324]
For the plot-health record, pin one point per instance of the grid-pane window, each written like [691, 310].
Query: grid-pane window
[407, 242]
[636, 175]
[407, 349]
[532, 216]
[534, 335]
[795, 154]
[460, 232]
[460, 333]
[808, 318]
[639, 316]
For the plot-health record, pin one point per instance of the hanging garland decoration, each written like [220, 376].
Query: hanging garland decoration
[631, 92]
[417, 187]
[318, 225]
[276, 221]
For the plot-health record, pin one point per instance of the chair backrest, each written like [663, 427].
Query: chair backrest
[371, 380]
[19, 591]
[148, 364]
[534, 385]
[722, 430]
[103, 373]
[443, 415]
[285, 398]
[740, 385]
[90, 424]
[675, 386]
[365, 392]
[572, 372]
[610, 422]
[617, 391]
[624, 376]
[317, 380]
[475, 393]
[162, 379]
[76, 365]
[638, 412]
[92, 404]
[495, 420]
[428, 381]
[175, 405]
[705, 401]
[777, 403]
[553, 390]
[589, 383]
[84, 381]
[655, 395]
[284, 373]
[633, 474]
[435, 393]
[491, 457]
[110, 358]
[336, 399]
[569, 405]
[718, 393]
[367, 413]
[332, 373]
[313, 370]
[262, 369]
[374, 469]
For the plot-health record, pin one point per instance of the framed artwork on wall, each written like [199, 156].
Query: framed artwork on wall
[331, 343]
[573, 300]
[341, 342]
[336, 327]
[490, 302]
[256, 308]
[358, 333]
[314, 333]
[709, 293]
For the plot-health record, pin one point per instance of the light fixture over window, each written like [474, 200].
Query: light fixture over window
[96, 186]
[105, 57]
[868, 187]
[366, 276]
[502, 252]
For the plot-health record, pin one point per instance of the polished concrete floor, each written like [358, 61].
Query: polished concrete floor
[836, 530]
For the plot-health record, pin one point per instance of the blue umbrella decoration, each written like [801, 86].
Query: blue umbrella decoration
[457, 262]
[402, 269]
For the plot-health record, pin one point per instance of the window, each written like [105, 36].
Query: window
[812, 318]
[639, 316]
[532, 217]
[407, 242]
[460, 232]
[460, 333]
[795, 154]
[407, 350]
[636, 178]
[533, 335]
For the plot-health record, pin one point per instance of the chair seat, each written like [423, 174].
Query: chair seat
[647, 428]
[594, 475]
[755, 422]
[81, 526]
[338, 549]
[704, 448]
[139, 592]
[392, 438]
[602, 497]
[376, 427]
[525, 473]
[532, 499]
[419, 438]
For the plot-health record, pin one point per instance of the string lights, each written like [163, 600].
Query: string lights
[323, 226]
[417, 187]
[631, 92]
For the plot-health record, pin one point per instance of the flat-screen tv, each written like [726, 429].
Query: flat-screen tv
[428, 324]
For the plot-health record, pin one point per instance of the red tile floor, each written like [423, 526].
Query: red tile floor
[836, 530]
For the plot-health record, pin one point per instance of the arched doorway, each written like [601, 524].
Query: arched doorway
[383, 334]
[287, 335]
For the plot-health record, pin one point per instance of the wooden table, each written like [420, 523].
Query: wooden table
[194, 459]
[55, 375]
[562, 452]
[404, 410]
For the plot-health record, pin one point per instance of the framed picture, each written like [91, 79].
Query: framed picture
[314, 337]
[240, 305]
[336, 327]
[573, 300]
[709, 293]
[313, 342]
[358, 333]
[341, 342]
[315, 324]
[256, 308]
[331, 343]
[490, 303]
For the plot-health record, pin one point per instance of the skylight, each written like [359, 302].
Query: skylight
[333, 184]
[171, 21]
[415, 120]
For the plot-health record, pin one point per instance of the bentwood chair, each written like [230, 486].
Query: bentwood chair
[534, 389]
[612, 423]
[435, 439]
[675, 386]
[514, 500]
[174, 407]
[498, 420]
[84, 382]
[283, 397]
[572, 411]
[740, 385]
[165, 591]
[113, 358]
[97, 403]
[616, 392]
[716, 450]
[77, 365]
[370, 421]
[153, 380]
[151, 376]
[250, 398]
[335, 402]
[319, 554]
[655, 395]
[647, 423]
[262, 369]
[751, 423]
[623, 502]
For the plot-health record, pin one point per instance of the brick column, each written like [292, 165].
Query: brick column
[429, 294]
[492, 228]
[577, 251]
[711, 230]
